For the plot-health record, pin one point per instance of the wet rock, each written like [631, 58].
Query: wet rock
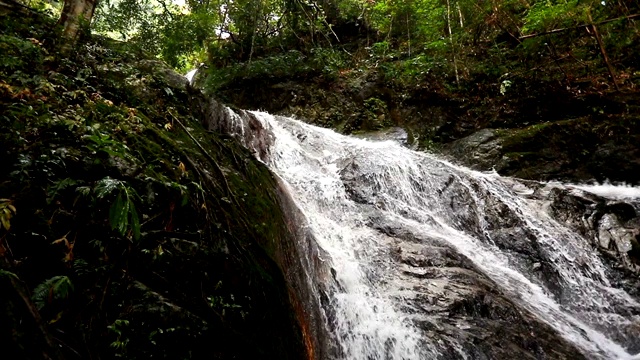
[456, 303]
[441, 282]
[453, 301]
[480, 150]
[478, 213]
[610, 229]
[613, 227]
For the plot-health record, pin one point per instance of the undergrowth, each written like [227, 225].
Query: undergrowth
[115, 226]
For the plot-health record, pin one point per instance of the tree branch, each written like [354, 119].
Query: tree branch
[166, 9]
[555, 31]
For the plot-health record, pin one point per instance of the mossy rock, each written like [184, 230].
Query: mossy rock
[168, 233]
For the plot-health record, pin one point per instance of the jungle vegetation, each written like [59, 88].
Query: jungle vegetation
[571, 41]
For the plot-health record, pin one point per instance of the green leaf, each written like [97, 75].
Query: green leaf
[58, 187]
[55, 288]
[135, 222]
[83, 190]
[106, 186]
[8, 274]
[118, 214]
[5, 222]
[123, 215]
[7, 210]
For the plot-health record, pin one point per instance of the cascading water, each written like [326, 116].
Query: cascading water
[435, 261]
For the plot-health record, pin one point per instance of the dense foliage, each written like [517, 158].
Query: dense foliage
[563, 40]
[569, 41]
[120, 235]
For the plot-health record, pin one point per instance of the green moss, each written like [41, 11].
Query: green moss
[537, 135]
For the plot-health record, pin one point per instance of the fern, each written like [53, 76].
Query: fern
[81, 267]
[55, 288]
[8, 274]
[122, 214]
[58, 187]
[106, 186]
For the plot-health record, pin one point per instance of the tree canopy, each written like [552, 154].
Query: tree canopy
[569, 39]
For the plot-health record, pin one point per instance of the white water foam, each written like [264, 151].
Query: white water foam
[189, 75]
[615, 192]
[403, 185]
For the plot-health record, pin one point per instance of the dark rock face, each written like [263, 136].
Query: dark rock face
[481, 150]
[613, 228]
[617, 160]
[301, 259]
[295, 251]
[576, 150]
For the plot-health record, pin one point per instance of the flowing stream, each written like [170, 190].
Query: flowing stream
[435, 261]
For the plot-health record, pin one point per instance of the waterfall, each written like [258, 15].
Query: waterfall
[435, 261]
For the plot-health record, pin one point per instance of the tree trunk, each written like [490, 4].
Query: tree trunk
[453, 47]
[596, 34]
[76, 16]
